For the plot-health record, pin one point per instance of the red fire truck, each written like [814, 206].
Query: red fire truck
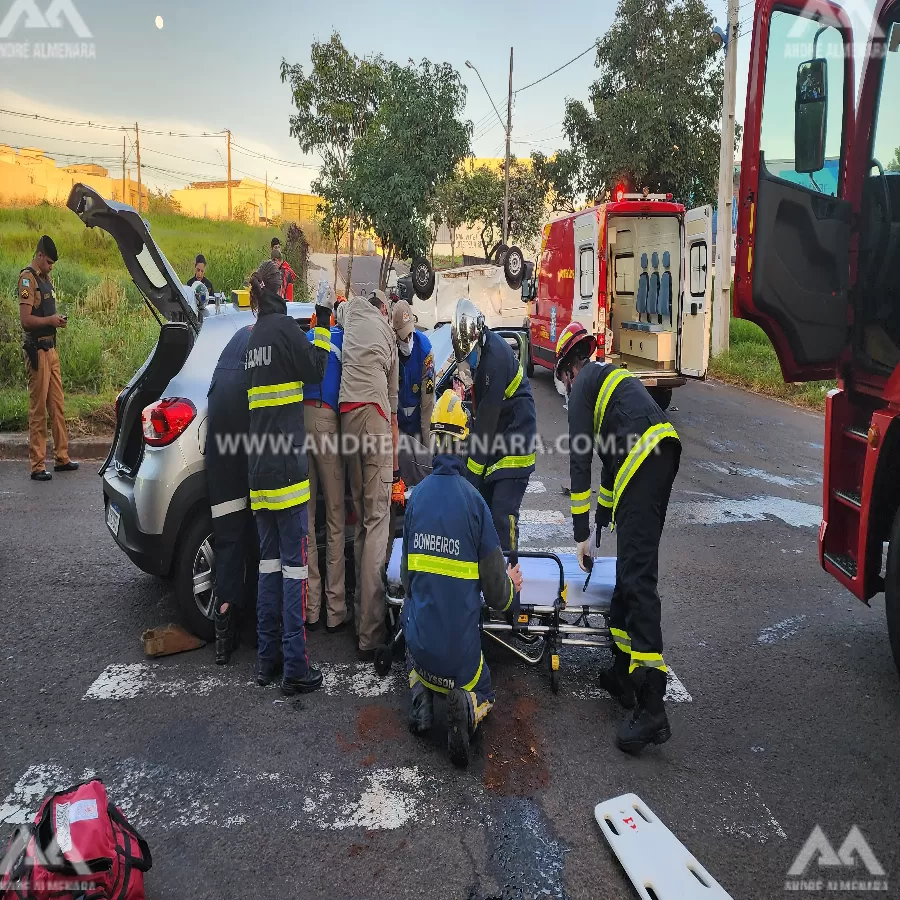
[634, 271]
[818, 239]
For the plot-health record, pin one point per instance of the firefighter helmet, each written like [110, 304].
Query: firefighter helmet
[450, 416]
[466, 329]
[573, 335]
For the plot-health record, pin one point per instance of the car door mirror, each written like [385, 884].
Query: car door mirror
[810, 116]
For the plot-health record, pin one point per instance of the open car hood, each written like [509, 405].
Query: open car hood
[149, 269]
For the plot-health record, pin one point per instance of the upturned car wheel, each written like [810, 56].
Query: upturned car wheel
[195, 579]
[514, 267]
[422, 278]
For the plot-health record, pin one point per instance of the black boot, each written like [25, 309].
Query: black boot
[421, 710]
[616, 681]
[649, 723]
[306, 684]
[460, 725]
[226, 635]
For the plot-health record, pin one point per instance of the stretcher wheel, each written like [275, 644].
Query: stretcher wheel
[384, 659]
[554, 680]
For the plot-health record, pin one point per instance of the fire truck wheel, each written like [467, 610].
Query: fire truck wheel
[514, 267]
[422, 278]
[892, 590]
[662, 396]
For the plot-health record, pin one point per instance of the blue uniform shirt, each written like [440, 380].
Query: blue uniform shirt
[416, 371]
[330, 387]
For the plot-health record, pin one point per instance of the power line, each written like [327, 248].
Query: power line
[280, 162]
[47, 137]
[73, 124]
[563, 66]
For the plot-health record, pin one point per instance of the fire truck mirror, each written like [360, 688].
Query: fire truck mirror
[810, 116]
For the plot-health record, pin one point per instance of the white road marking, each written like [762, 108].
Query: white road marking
[676, 692]
[757, 822]
[536, 525]
[541, 517]
[128, 681]
[535, 487]
[760, 474]
[722, 511]
[166, 798]
[781, 631]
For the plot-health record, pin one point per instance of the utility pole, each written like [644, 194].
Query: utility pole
[137, 145]
[722, 300]
[267, 197]
[508, 134]
[123, 170]
[229, 173]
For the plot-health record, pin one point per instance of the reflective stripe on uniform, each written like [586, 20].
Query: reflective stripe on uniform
[606, 391]
[275, 394]
[295, 573]
[623, 641]
[322, 338]
[440, 565]
[512, 462]
[281, 498]
[641, 450]
[415, 675]
[228, 507]
[337, 352]
[605, 497]
[581, 503]
[512, 595]
[269, 566]
[475, 467]
[647, 661]
[514, 384]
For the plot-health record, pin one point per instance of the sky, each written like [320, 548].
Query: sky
[215, 65]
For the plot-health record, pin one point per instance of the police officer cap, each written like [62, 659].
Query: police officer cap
[48, 248]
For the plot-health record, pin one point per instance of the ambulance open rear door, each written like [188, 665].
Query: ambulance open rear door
[695, 294]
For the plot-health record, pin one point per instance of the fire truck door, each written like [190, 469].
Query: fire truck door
[587, 275]
[695, 293]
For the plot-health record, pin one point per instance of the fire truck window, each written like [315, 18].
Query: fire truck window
[886, 147]
[793, 40]
[624, 272]
[587, 271]
[699, 268]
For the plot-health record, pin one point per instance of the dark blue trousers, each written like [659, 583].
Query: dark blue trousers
[282, 589]
[504, 499]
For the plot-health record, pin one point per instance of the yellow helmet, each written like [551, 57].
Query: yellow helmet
[450, 416]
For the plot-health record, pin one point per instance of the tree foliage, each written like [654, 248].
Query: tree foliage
[653, 115]
[562, 176]
[415, 142]
[450, 205]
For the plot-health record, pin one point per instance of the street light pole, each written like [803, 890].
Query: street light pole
[508, 134]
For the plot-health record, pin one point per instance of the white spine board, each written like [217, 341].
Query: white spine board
[651, 855]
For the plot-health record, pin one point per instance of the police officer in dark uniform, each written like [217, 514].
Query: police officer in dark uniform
[40, 320]
[451, 556]
[279, 360]
[227, 481]
[639, 450]
[502, 451]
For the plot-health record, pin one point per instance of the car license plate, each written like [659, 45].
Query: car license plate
[112, 518]
[649, 382]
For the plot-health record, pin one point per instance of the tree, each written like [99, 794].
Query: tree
[483, 192]
[163, 203]
[562, 176]
[527, 203]
[450, 206]
[653, 116]
[894, 164]
[333, 223]
[335, 102]
[414, 142]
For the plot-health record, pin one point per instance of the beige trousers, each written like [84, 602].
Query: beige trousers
[46, 395]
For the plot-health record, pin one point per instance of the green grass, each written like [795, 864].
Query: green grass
[111, 331]
[751, 363]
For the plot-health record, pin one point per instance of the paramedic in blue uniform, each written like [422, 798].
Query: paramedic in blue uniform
[322, 418]
[416, 400]
[502, 448]
[451, 556]
[227, 480]
[639, 450]
[279, 360]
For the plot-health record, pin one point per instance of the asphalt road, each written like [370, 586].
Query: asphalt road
[788, 715]
[366, 272]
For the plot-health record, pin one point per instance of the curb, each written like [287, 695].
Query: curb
[14, 445]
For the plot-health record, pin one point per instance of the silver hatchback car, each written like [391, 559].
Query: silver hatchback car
[154, 480]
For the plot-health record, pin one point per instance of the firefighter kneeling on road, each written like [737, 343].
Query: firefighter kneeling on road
[451, 556]
[639, 451]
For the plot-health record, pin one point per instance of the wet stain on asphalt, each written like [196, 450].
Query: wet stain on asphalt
[514, 763]
[376, 723]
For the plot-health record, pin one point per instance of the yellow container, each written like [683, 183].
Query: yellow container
[241, 299]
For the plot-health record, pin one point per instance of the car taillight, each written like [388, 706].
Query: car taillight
[166, 419]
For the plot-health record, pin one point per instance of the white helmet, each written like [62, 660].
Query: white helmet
[466, 329]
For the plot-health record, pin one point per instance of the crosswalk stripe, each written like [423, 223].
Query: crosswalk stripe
[536, 487]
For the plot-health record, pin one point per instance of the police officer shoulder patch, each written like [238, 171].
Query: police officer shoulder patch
[26, 282]
[428, 385]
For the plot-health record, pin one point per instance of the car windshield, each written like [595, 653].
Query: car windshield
[441, 347]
